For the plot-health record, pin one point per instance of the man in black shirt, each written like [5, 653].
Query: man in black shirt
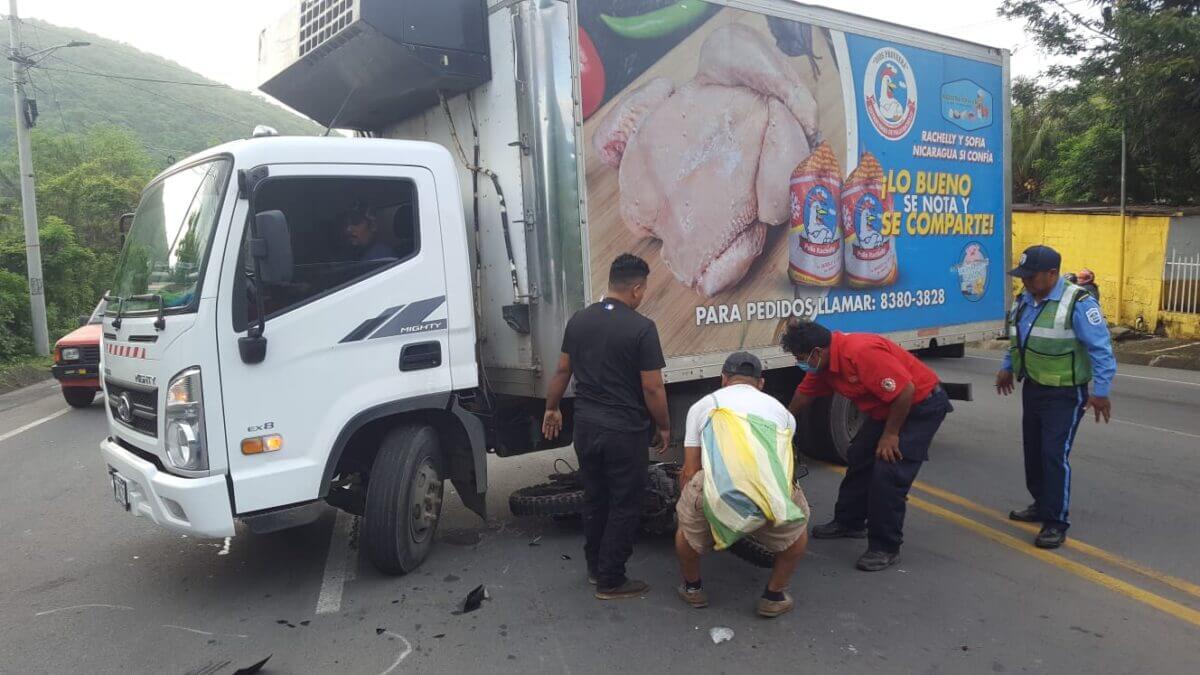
[617, 361]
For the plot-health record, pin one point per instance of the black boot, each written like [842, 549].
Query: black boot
[835, 530]
[873, 561]
[1029, 514]
[1051, 536]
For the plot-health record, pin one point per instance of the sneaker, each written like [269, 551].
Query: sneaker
[773, 608]
[1029, 514]
[592, 579]
[1050, 537]
[696, 597]
[632, 588]
[835, 530]
[873, 561]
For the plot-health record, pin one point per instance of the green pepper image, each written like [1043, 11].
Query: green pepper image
[659, 22]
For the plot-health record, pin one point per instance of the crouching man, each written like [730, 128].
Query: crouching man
[737, 481]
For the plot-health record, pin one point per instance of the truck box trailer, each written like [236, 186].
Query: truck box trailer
[354, 320]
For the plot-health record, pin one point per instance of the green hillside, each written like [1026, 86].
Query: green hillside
[75, 90]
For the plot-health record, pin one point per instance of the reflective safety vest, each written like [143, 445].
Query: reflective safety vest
[1051, 354]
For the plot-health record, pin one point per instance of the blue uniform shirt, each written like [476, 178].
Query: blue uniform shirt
[1090, 328]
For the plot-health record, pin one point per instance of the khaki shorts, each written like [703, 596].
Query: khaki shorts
[696, 530]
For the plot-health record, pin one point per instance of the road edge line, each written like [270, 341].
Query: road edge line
[1071, 543]
[31, 425]
[1175, 609]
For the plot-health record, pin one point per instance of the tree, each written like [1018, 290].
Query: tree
[1137, 68]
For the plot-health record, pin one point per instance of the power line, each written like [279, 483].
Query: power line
[123, 49]
[57, 104]
[113, 76]
[169, 98]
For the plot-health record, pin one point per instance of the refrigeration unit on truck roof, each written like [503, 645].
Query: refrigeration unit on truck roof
[359, 64]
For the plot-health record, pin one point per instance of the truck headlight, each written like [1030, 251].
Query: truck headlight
[70, 354]
[184, 422]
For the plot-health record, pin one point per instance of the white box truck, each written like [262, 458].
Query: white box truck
[352, 321]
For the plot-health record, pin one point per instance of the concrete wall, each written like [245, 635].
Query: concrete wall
[1094, 241]
[1184, 326]
[1185, 236]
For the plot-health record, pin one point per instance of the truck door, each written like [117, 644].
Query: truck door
[361, 323]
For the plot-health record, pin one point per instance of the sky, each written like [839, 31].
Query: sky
[219, 38]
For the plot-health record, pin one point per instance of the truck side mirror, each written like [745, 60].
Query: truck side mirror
[272, 248]
[125, 223]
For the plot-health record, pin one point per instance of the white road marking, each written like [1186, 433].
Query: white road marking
[403, 653]
[64, 609]
[330, 599]
[27, 427]
[1119, 373]
[1171, 349]
[201, 632]
[1147, 426]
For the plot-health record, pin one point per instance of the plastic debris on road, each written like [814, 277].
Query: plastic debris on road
[474, 599]
[720, 634]
[250, 670]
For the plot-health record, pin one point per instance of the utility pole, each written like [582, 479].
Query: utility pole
[26, 116]
[1121, 254]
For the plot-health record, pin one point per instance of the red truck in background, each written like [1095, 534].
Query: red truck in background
[77, 361]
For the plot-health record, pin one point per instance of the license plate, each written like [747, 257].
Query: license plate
[120, 489]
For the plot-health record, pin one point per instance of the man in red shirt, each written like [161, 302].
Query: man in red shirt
[905, 405]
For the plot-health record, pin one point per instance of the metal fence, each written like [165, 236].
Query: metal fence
[1181, 284]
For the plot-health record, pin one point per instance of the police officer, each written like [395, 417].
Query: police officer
[1058, 343]
[905, 404]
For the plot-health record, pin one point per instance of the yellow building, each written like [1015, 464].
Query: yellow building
[1149, 279]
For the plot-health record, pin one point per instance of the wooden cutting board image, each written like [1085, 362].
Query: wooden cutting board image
[668, 302]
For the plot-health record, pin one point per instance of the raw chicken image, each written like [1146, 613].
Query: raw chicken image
[705, 166]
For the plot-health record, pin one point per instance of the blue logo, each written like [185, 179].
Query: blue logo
[967, 105]
[973, 271]
[890, 93]
[820, 216]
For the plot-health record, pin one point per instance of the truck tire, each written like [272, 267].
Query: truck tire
[558, 498]
[79, 397]
[748, 549]
[832, 423]
[404, 499]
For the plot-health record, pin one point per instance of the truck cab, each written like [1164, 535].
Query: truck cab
[292, 323]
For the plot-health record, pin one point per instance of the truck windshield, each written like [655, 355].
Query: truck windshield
[167, 245]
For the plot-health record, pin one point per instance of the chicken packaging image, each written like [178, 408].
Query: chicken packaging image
[703, 165]
[870, 255]
[815, 240]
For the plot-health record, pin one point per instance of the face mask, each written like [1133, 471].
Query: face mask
[808, 367]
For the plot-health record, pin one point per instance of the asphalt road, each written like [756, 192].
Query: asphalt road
[87, 588]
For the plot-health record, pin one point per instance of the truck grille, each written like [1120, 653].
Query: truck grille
[143, 410]
[88, 354]
[321, 19]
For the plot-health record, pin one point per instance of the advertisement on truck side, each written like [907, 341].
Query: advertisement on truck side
[768, 168]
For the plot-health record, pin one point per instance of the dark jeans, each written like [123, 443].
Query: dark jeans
[1051, 416]
[612, 467]
[876, 492]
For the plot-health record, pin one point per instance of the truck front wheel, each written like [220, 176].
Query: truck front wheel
[79, 397]
[404, 499]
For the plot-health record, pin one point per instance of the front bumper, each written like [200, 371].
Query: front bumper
[70, 372]
[195, 506]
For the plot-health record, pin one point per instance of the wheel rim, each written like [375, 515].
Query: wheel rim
[854, 420]
[426, 504]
